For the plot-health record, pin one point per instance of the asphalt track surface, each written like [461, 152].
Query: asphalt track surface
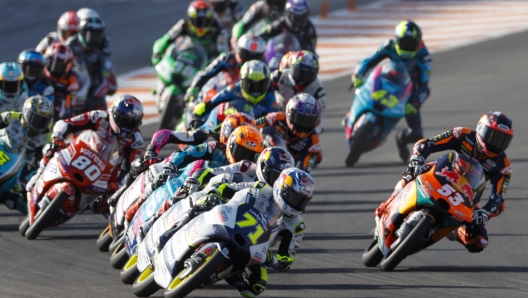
[466, 82]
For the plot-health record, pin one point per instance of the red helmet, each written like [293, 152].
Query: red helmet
[68, 24]
[59, 59]
[200, 14]
[494, 133]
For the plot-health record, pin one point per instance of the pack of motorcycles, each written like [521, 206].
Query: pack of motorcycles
[167, 251]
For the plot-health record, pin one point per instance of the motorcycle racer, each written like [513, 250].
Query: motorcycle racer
[254, 87]
[299, 75]
[67, 26]
[249, 47]
[59, 70]
[32, 64]
[270, 9]
[295, 21]
[13, 89]
[298, 125]
[408, 47]
[25, 131]
[201, 25]
[122, 120]
[487, 144]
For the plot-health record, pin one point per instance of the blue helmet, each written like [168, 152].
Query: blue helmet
[126, 114]
[11, 82]
[271, 162]
[293, 191]
[32, 64]
[297, 13]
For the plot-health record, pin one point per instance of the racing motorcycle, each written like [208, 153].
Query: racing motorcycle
[278, 46]
[436, 203]
[176, 70]
[377, 107]
[212, 246]
[12, 159]
[148, 209]
[75, 175]
[113, 234]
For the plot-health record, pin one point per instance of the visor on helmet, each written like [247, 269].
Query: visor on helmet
[32, 71]
[126, 122]
[10, 87]
[408, 44]
[303, 75]
[56, 67]
[494, 140]
[302, 122]
[246, 55]
[93, 37]
[38, 122]
[242, 153]
[295, 200]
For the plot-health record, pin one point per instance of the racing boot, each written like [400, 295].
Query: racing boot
[402, 146]
[15, 201]
[473, 237]
[250, 285]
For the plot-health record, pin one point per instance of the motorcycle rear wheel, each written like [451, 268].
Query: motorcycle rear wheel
[119, 257]
[407, 245]
[181, 288]
[47, 216]
[358, 143]
[24, 225]
[372, 255]
[145, 285]
[104, 240]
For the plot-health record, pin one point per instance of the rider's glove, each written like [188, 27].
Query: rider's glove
[278, 262]
[191, 185]
[195, 121]
[494, 205]
[190, 95]
[168, 172]
[209, 201]
[357, 81]
[6, 117]
[416, 165]
[200, 136]
[57, 144]
[480, 216]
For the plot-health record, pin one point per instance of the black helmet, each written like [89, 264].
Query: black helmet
[91, 31]
[408, 39]
[494, 133]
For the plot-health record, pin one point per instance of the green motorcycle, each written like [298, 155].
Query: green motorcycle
[176, 70]
[257, 28]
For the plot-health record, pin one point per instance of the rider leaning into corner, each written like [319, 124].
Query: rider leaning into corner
[254, 87]
[487, 144]
[298, 125]
[122, 120]
[249, 47]
[270, 9]
[297, 73]
[296, 21]
[201, 25]
[25, 131]
[406, 47]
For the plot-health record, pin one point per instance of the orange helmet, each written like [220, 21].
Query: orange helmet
[245, 143]
[200, 15]
[233, 121]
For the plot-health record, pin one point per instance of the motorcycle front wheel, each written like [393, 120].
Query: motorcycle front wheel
[145, 285]
[358, 144]
[372, 255]
[172, 113]
[47, 216]
[119, 257]
[407, 245]
[104, 240]
[189, 278]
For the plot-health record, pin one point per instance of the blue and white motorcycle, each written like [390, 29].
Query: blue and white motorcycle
[377, 107]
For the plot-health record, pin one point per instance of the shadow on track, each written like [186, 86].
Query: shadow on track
[468, 269]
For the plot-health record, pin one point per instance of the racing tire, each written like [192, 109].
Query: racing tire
[104, 240]
[119, 257]
[372, 255]
[407, 245]
[358, 144]
[47, 216]
[116, 242]
[145, 285]
[171, 114]
[24, 225]
[130, 272]
[181, 288]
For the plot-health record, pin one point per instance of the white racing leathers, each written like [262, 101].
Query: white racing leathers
[287, 90]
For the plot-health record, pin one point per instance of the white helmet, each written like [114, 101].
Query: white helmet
[293, 191]
[250, 47]
[85, 13]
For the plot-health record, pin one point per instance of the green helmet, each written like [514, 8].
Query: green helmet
[408, 39]
[254, 81]
[37, 113]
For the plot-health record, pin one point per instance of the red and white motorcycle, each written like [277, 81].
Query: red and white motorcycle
[71, 178]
